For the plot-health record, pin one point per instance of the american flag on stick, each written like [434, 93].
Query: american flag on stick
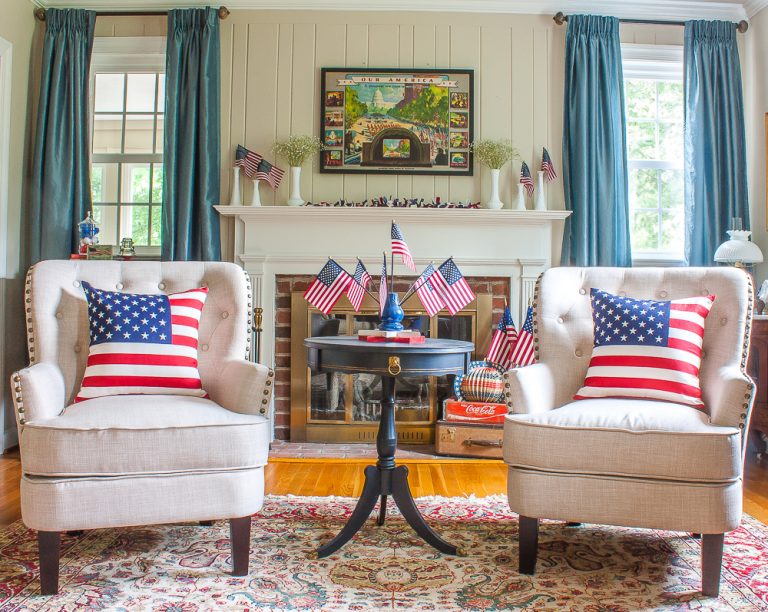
[523, 353]
[547, 166]
[503, 341]
[428, 296]
[525, 179]
[400, 248]
[247, 160]
[267, 172]
[451, 286]
[383, 286]
[328, 287]
[360, 281]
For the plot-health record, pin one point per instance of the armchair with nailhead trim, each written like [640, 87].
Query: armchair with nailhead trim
[630, 462]
[139, 459]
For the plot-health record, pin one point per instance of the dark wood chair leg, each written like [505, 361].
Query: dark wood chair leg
[572, 524]
[240, 536]
[529, 544]
[49, 545]
[205, 523]
[711, 562]
[76, 533]
[696, 536]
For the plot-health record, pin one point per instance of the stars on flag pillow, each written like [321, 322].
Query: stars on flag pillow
[646, 349]
[142, 344]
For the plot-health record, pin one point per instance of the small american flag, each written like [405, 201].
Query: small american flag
[356, 290]
[646, 348]
[452, 286]
[328, 287]
[523, 353]
[142, 343]
[400, 248]
[267, 172]
[525, 179]
[547, 166]
[429, 298]
[503, 341]
[247, 160]
[383, 286]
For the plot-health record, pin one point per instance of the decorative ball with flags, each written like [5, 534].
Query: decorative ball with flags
[483, 382]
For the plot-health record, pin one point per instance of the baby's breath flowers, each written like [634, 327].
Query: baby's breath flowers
[297, 149]
[494, 153]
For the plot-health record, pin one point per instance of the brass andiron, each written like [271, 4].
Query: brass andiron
[258, 317]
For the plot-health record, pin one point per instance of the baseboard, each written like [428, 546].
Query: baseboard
[10, 439]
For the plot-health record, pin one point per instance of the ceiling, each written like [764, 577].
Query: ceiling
[733, 10]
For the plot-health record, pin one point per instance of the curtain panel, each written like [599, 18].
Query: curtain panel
[190, 227]
[60, 194]
[715, 148]
[594, 145]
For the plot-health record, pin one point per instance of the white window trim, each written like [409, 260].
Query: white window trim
[6, 80]
[128, 54]
[659, 63]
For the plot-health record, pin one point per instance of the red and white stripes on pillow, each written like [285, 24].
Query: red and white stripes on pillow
[646, 349]
[142, 344]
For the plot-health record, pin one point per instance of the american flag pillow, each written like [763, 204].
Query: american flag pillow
[646, 349]
[142, 344]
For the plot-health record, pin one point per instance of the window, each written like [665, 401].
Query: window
[653, 93]
[128, 85]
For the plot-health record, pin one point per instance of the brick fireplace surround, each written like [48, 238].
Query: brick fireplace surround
[285, 284]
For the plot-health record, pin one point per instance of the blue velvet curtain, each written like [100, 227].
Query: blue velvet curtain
[191, 146]
[594, 145]
[715, 149]
[60, 194]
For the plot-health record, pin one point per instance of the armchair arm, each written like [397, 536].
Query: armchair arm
[39, 392]
[244, 387]
[534, 388]
[728, 395]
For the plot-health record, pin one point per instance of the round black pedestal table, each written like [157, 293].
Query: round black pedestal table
[389, 360]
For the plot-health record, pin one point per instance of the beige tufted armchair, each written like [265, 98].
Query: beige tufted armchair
[139, 459]
[636, 463]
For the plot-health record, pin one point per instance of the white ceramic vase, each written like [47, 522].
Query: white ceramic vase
[541, 197]
[295, 196]
[520, 200]
[494, 201]
[256, 197]
[234, 199]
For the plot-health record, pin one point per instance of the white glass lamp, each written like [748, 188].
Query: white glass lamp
[738, 250]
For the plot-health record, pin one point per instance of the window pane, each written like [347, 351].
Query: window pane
[104, 182]
[640, 99]
[108, 96]
[159, 136]
[671, 188]
[157, 221]
[107, 133]
[106, 217]
[641, 139]
[645, 230]
[157, 183]
[135, 185]
[139, 130]
[672, 232]
[134, 223]
[671, 100]
[141, 93]
[643, 188]
[160, 93]
[671, 141]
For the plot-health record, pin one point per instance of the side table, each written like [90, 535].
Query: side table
[389, 360]
[758, 370]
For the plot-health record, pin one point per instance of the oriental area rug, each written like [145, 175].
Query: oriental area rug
[185, 568]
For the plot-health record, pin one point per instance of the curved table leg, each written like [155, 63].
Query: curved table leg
[401, 493]
[362, 510]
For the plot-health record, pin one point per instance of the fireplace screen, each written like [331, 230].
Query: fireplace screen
[335, 407]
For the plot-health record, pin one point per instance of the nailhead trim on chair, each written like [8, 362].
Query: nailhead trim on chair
[267, 392]
[17, 399]
[28, 313]
[249, 318]
[749, 395]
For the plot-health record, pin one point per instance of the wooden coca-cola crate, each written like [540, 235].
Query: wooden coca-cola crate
[474, 412]
[465, 439]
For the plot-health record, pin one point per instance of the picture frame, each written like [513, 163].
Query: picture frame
[397, 121]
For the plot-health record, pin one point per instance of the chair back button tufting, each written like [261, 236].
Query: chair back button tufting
[224, 314]
[119, 286]
[204, 347]
[578, 353]
[723, 321]
[662, 294]
[582, 291]
[76, 283]
[161, 286]
[559, 319]
[59, 315]
[77, 348]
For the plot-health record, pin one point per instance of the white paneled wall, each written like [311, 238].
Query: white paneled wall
[271, 64]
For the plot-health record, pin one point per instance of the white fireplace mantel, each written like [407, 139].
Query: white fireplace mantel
[272, 240]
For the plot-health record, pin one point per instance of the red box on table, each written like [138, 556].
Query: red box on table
[475, 412]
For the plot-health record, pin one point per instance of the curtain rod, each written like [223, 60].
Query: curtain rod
[222, 10]
[560, 18]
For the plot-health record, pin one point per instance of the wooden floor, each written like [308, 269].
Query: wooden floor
[344, 477]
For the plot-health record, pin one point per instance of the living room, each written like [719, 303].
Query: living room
[389, 305]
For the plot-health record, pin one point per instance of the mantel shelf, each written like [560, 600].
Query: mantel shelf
[414, 215]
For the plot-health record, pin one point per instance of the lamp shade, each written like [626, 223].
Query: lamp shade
[739, 249]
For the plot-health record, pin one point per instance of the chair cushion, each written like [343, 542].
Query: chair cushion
[623, 437]
[143, 434]
[646, 349]
[145, 344]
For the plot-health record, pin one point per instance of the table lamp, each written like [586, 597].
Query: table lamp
[738, 250]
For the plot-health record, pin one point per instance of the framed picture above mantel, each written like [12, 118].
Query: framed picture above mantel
[397, 121]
